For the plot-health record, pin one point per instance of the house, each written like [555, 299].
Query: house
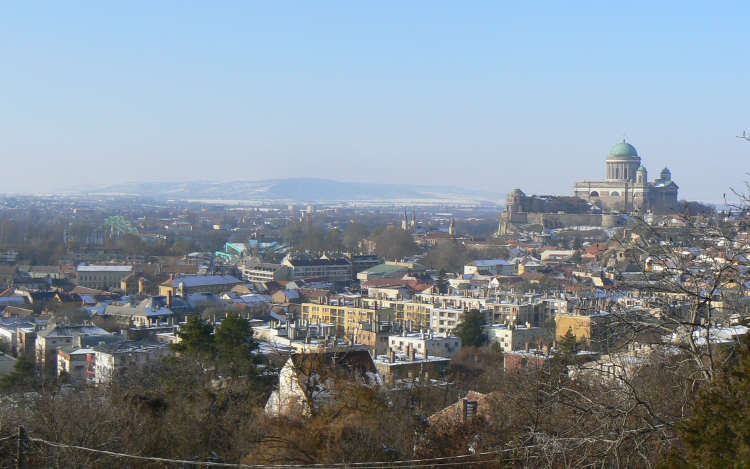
[9, 332]
[187, 284]
[150, 312]
[72, 362]
[473, 404]
[142, 284]
[493, 267]
[393, 366]
[42, 271]
[305, 379]
[443, 345]
[55, 336]
[105, 360]
[513, 336]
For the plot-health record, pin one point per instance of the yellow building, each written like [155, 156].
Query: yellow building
[345, 317]
[413, 312]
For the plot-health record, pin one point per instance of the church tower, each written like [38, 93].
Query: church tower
[452, 227]
[405, 222]
[413, 218]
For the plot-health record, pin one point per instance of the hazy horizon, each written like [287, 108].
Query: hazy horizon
[482, 96]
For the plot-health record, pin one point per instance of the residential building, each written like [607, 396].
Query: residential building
[55, 336]
[72, 362]
[439, 345]
[42, 271]
[302, 379]
[151, 312]
[493, 267]
[513, 336]
[393, 366]
[106, 360]
[260, 272]
[102, 277]
[332, 270]
[185, 285]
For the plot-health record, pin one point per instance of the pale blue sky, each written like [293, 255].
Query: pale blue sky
[485, 95]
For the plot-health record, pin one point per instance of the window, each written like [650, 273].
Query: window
[615, 194]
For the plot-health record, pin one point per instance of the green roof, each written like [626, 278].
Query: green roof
[383, 269]
[623, 149]
[641, 168]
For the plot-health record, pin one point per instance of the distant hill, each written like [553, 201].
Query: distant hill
[297, 190]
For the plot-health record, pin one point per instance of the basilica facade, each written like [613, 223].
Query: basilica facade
[626, 188]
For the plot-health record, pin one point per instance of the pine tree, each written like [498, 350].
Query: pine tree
[196, 336]
[568, 344]
[441, 283]
[469, 329]
[717, 435]
[22, 375]
[235, 334]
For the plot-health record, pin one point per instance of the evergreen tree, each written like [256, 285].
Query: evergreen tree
[717, 435]
[568, 345]
[235, 334]
[196, 336]
[441, 283]
[235, 344]
[469, 329]
[22, 375]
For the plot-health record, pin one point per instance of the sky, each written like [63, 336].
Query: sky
[481, 95]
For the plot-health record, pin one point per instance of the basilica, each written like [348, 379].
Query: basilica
[626, 188]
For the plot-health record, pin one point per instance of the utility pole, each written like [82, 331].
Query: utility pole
[21, 456]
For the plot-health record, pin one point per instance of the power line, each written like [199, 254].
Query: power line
[403, 464]
[411, 463]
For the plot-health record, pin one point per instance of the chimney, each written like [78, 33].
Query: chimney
[169, 299]
[412, 354]
[546, 351]
[463, 406]
[526, 348]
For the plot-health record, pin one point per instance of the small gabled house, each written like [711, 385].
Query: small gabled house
[306, 379]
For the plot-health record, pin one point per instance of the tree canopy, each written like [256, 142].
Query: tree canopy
[469, 329]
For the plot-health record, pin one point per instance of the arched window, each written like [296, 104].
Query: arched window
[640, 178]
[594, 194]
[614, 194]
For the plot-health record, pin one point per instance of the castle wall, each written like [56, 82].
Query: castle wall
[559, 220]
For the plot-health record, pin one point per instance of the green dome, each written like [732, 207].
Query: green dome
[641, 168]
[623, 149]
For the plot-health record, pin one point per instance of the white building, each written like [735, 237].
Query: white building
[493, 266]
[513, 337]
[49, 340]
[437, 345]
[105, 360]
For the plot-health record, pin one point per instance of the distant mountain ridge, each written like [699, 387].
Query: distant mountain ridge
[297, 190]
